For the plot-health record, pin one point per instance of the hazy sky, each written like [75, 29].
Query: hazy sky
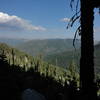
[38, 19]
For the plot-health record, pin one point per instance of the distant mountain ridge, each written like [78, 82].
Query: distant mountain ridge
[12, 41]
[47, 46]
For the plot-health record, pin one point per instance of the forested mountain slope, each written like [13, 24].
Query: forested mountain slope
[18, 58]
[64, 59]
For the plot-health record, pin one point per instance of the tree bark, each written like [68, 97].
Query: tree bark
[87, 51]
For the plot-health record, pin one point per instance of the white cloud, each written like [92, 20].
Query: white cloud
[16, 23]
[65, 19]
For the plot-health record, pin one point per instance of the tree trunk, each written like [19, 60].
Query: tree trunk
[87, 51]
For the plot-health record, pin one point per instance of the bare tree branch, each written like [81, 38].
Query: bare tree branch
[77, 32]
[71, 4]
[77, 6]
[73, 19]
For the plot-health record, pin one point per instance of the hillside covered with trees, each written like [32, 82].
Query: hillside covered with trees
[64, 59]
[18, 58]
[18, 74]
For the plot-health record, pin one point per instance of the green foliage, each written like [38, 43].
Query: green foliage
[72, 68]
[17, 58]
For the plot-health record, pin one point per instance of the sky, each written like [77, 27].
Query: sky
[39, 19]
